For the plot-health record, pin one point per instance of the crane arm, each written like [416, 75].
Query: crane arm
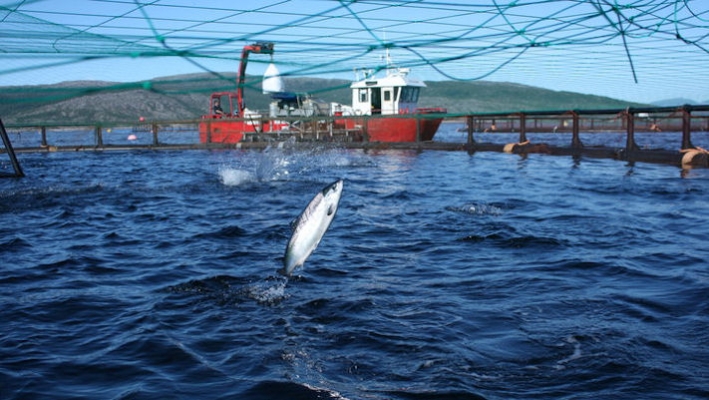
[257, 48]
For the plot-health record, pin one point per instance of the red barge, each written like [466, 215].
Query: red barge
[383, 110]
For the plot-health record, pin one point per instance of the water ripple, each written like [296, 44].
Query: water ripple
[444, 275]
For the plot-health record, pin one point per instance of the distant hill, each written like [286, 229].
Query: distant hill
[674, 102]
[483, 96]
[186, 97]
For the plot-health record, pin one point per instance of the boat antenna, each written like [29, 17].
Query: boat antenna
[387, 53]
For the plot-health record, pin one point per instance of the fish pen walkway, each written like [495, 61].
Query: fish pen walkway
[566, 127]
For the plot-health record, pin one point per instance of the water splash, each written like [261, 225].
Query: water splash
[269, 292]
[234, 176]
[272, 164]
[227, 290]
[476, 209]
[284, 162]
[267, 165]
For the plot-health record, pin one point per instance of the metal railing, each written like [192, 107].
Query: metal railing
[324, 129]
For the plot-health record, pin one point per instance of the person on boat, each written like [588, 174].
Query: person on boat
[217, 108]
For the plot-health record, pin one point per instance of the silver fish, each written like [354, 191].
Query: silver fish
[311, 225]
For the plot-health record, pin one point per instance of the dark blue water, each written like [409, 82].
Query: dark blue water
[144, 275]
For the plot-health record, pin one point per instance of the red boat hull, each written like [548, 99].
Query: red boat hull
[405, 128]
[217, 130]
[222, 131]
[399, 128]
[402, 129]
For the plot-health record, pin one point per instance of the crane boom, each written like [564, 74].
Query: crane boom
[257, 48]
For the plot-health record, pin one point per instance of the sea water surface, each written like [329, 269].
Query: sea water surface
[149, 274]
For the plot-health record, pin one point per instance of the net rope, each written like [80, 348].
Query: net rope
[604, 43]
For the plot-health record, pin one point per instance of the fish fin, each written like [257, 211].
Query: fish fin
[294, 223]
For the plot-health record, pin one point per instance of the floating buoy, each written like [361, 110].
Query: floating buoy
[695, 157]
[526, 148]
[511, 147]
[132, 137]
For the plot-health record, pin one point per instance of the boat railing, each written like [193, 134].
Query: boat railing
[476, 131]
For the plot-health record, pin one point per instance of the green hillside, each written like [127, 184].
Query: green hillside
[186, 97]
[483, 96]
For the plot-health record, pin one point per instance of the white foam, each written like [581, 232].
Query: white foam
[235, 177]
[576, 354]
[279, 162]
[477, 209]
[270, 292]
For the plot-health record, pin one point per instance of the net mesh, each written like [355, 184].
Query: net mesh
[638, 50]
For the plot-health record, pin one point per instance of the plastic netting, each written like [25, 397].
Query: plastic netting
[640, 50]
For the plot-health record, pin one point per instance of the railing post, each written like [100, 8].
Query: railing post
[99, 136]
[316, 131]
[155, 135]
[471, 129]
[522, 128]
[43, 131]
[11, 153]
[575, 138]
[630, 144]
[686, 127]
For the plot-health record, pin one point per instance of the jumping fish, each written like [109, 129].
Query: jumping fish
[310, 226]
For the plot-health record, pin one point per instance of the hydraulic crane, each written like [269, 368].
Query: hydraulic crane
[257, 48]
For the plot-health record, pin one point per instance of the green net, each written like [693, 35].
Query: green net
[88, 61]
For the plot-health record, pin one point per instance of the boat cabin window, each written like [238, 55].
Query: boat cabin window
[221, 105]
[387, 95]
[409, 94]
[363, 95]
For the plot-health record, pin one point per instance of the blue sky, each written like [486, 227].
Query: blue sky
[641, 50]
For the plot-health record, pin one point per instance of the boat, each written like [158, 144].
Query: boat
[382, 110]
